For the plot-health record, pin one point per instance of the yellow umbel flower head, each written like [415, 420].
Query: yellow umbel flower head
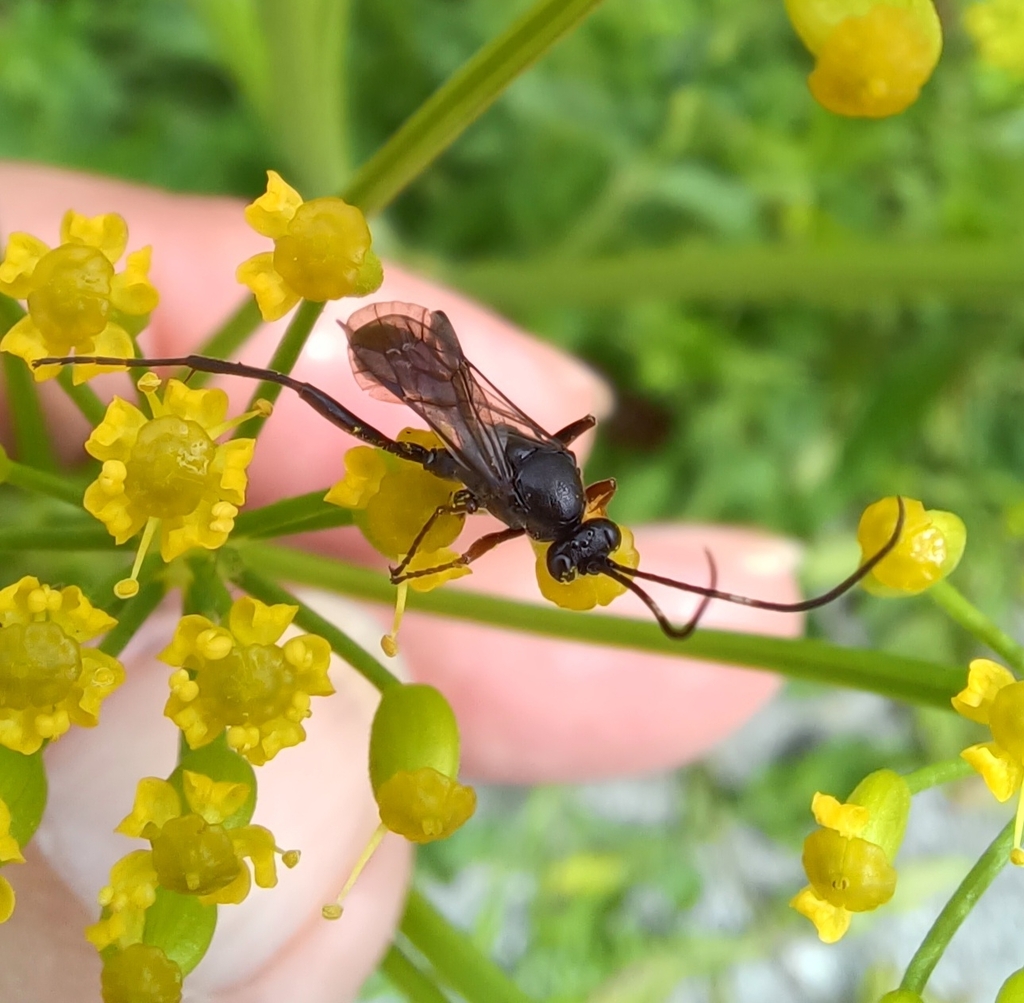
[930, 546]
[321, 250]
[849, 859]
[140, 973]
[76, 301]
[995, 698]
[997, 27]
[192, 852]
[10, 853]
[872, 57]
[238, 679]
[168, 472]
[48, 680]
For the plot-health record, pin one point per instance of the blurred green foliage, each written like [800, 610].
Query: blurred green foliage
[660, 122]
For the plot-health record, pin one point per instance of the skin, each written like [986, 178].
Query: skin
[531, 710]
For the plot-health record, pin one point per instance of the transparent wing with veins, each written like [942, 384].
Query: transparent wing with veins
[408, 354]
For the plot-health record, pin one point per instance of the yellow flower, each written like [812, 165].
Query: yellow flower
[414, 765]
[48, 681]
[76, 301]
[140, 974]
[584, 591]
[10, 853]
[930, 546]
[191, 852]
[239, 680]
[872, 58]
[995, 698]
[392, 499]
[997, 27]
[321, 250]
[849, 859]
[167, 471]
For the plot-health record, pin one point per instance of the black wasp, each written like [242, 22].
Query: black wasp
[509, 466]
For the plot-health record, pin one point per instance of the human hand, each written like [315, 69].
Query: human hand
[530, 709]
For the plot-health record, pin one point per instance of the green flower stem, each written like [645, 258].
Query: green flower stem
[229, 337]
[313, 523]
[83, 397]
[23, 789]
[948, 598]
[132, 614]
[279, 517]
[454, 956]
[283, 361]
[935, 774]
[408, 979]
[40, 482]
[909, 679]
[362, 661]
[956, 910]
[836, 274]
[30, 434]
[466, 95]
[65, 538]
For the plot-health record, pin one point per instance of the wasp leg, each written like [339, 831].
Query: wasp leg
[462, 503]
[574, 430]
[478, 549]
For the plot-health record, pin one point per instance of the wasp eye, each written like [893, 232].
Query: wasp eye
[560, 567]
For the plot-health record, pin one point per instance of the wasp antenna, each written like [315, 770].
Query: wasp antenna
[779, 607]
[613, 570]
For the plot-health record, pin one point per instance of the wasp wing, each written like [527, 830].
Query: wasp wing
[409, 354]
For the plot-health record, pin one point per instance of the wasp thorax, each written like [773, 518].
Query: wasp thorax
[585, 551]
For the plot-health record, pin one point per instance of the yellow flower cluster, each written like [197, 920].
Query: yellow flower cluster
[168, 471]
[10, 853]
[239, 680]
[321, 250]
[48, 679]
[872, 58]
[193, 851]
[76, 301]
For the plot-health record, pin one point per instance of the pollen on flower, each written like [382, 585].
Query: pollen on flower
[167, 475]
[77, 302]
[321, 250]
[239, 680]
[48, 679]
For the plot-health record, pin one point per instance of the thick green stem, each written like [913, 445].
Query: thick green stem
[83, 397]
[909, 679]
[847, 274]
[284, 516]
[413, 984]
[469, 92]
[455, 957]
[63, 538]
[299, 329]
[41, 482]
[956, 910]
[31, 438]
[976, 623]
[361, 660]
[935, 774]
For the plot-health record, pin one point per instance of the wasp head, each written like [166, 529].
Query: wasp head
[584, 551]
